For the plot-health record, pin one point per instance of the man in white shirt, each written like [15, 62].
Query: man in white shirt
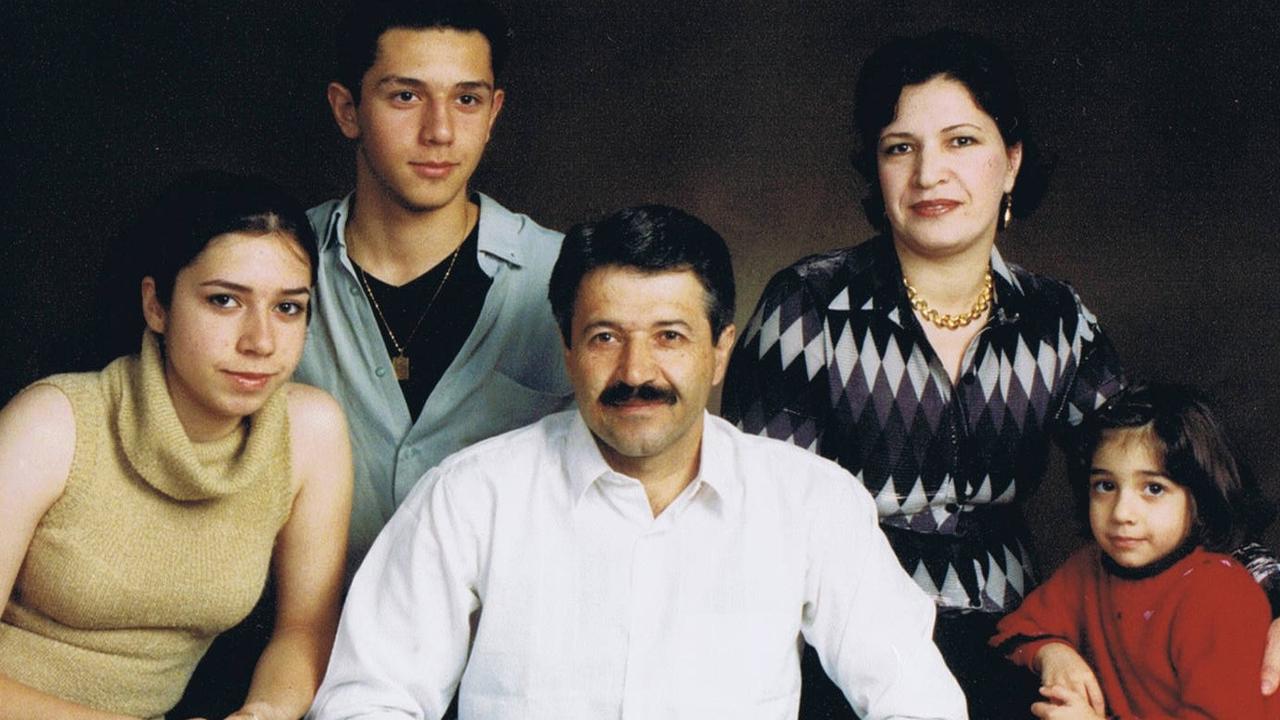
[636, 557]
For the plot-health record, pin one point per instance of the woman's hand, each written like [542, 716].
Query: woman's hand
[1271, 660]
[1064, 671]
[257, 711]
[1063, 703]
[253, 711]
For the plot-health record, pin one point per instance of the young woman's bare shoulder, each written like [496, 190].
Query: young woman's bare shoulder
[313, 412]
[37, 444]
[317, 433]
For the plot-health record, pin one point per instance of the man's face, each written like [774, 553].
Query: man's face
[643, 363]
[427, 106]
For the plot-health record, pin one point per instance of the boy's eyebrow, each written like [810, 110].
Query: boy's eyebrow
[417, 84]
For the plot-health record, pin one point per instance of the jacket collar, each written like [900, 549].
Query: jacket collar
[499, 238]
[886, 295]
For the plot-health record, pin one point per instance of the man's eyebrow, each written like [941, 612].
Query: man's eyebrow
[610, 324]
[598, 324]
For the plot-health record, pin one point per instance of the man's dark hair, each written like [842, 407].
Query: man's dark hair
[366, 20]
[650, 239]
[969, 59]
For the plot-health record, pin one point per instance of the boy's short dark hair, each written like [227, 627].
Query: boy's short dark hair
[366, 20]
[1195, 450]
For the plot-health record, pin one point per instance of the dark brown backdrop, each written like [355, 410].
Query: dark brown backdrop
[1163, 115]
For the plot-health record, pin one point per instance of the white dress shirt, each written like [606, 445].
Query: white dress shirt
[529, 569]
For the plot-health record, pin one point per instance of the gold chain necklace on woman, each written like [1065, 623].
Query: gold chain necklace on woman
[952, 322]
[400, 361]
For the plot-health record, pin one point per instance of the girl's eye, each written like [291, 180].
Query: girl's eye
[1156, 489]
[963, 141]
[406, 96]
[469, 100]
[1102, 486]
[671, 336]
[222, 300]
[896, 149]
[291, 308]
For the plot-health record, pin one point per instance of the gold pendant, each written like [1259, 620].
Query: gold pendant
[400, 363]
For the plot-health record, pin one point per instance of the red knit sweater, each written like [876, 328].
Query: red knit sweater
[1185, 643]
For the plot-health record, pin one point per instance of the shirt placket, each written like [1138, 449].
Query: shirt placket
[648, 617]
[644, 625]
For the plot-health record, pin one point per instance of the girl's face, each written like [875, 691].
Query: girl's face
[944, 168]
[1138, 515]
[234, 329]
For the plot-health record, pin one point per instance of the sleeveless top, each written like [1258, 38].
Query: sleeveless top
[156, 545]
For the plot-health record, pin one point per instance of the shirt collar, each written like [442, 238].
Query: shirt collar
[887, 295]
[585, 465]
[499, 237]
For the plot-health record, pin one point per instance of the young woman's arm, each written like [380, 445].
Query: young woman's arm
[37, 444]
[309, 561]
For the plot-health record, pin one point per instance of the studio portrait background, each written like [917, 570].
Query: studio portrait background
[1162, 116]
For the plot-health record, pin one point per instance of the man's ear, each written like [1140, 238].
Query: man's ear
[343, 105]
[723, 349]
[152, 309]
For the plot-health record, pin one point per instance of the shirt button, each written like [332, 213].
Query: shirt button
[353, 289]
[951, 508]
[380, 371]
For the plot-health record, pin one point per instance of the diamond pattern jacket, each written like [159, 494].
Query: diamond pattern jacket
[834, 360]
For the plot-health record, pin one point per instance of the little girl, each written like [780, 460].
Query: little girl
[1170, 627]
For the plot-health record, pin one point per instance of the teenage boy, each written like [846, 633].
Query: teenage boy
[431, 327]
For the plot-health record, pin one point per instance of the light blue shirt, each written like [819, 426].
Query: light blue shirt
[509, 372]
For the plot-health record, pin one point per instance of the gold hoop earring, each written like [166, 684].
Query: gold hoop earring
[1006, 212]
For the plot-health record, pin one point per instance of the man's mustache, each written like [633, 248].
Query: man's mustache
[620, 392]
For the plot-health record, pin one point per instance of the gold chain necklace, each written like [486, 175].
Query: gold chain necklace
[400, 361]
[952, 322]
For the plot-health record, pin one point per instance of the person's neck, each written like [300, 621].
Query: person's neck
[396, 244]
[663, 476]
[949, 283]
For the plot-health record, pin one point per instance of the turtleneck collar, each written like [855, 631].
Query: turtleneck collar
[159, 450]
[1151, 569]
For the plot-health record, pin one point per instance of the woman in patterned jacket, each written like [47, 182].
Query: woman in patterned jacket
[921, 360]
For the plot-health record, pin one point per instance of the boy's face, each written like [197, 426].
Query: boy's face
[427, 106]
[1138, 515]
